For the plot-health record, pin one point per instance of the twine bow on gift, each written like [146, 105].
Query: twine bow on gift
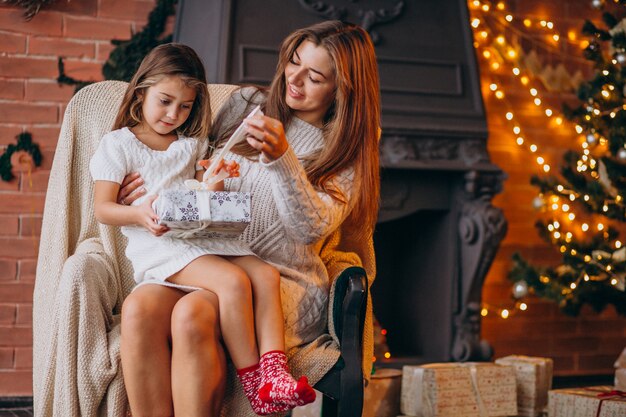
[607, 395]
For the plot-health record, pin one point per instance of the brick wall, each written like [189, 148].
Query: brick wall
[590, 343]
[31, 100]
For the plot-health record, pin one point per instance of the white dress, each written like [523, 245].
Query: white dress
[155, 259]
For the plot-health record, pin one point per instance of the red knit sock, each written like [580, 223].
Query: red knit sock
[250, 379]
[277, 384]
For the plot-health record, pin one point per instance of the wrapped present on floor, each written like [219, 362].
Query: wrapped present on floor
[534, 380]
[381, 397]
[601, 401]
[620, 379]
[203, 214]
[459, 389]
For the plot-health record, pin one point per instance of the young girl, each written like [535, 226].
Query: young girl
[165, 107]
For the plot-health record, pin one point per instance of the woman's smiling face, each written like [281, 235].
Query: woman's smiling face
[310, 83]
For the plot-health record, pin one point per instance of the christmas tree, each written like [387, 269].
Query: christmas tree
[585, 203]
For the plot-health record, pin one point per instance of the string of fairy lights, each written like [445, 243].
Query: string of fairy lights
[495, 33]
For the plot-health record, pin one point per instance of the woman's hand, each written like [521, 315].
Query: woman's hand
[146, 217]
[231, 167]
[131, 189]
[267, 135]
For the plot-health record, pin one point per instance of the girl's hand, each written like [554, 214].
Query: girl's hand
[231, 167]
[267, 135]
[131, 189]
[146, 217]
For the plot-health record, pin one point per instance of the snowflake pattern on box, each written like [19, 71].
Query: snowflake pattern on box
[179, 210]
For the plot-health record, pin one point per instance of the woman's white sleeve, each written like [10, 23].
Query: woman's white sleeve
[307, 214]
[109, 162]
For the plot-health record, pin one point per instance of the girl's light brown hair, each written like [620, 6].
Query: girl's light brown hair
[352, 123]
[169, 60]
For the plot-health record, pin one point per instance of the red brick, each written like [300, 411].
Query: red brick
[36, 182]
[8, 225]
[46, 23]
[12, 43]
[89, 28]
[46, 138]
[18, 67]
[26, 112]
[125, 10]
[8, 132]
[18, 247]
[30, 226]
[11, 89]
[563, 364]
[7, 314]
[103, 50]
[6, 358]
[596, 363]
[23, 358]
[576, 344]
[13, 185]
[16, 383]
[83, 70]
[24, 315]
[61, 47]
[8, 269]
[16, 292]
[26, 270]
[48, 91]
[16, 336]
[47, 158]
[82, 7]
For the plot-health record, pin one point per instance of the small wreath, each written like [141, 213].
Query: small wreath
[20, 156]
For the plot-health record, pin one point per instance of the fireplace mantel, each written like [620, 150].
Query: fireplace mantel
[437, 232]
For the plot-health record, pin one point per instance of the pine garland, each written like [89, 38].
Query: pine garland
[24, 143]
[32, 6]
[128, 54]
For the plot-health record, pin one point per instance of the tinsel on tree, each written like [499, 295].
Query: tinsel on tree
[587, 201]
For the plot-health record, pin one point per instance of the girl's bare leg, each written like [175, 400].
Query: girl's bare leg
[145, 349]
[232, 287]
[198, 359]
[268, 310]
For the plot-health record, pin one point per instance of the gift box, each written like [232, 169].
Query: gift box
[203, 214]
[459, 389]
[601, 401]
[620, 379]
[534, 379]
[381, 397]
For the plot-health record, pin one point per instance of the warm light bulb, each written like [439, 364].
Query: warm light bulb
[487, 54]
[565, 207]
[504, 313]
[509, 116]
[500, 40]
[556, 37]
[548, 112]
[533, 148]
[484, 312]
[527, 23]
[584, 227]
[533, 92]
[475, 23]
[516, 71]
[546, 168]
[520, 140]
[613, 281]
[495, 65]
[537, 101]
[571, 216]
[499, 95]
[524, 80]
[516, 130]
[618, 244]
[586, 278]
[523, 306]
[493, 86]
[572, 285]
[509, 18]
[559, 120]
[550, 25]
[600, 226]
[579, 129]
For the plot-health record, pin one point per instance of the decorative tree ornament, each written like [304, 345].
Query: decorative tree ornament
[538, 203]
[620, 57]
[591, 139]
[520, 289]
[621, 154]
[597, 4]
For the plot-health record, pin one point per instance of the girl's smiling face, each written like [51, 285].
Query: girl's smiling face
[310, 83]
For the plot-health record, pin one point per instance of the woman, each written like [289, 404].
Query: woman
[311, 164]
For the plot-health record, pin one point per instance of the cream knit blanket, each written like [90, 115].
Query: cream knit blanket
[83, 278]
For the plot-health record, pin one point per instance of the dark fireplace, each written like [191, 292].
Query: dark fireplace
[437, 232]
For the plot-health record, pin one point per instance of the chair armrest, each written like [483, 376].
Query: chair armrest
[348, 315]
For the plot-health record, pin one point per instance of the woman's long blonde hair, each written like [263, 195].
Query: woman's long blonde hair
[169, 60]
[352, 123]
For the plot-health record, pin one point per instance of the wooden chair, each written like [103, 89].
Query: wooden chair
[83, 278]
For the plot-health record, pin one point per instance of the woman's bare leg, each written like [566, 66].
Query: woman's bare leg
[233, 289]
[145, 349]
[198, 359]
[268, 310]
